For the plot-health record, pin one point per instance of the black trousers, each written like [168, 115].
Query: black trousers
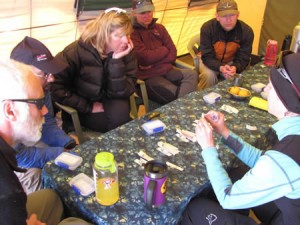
[205, 208]
[202, 211]
[116, 112]
[174, 84]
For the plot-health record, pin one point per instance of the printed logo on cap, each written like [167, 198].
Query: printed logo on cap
[41, 57]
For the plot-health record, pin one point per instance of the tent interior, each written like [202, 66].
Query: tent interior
[56, 24]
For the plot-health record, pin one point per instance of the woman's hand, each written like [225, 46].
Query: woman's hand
[204, 134]
[97, 107]
[216, 120]
[123, 50]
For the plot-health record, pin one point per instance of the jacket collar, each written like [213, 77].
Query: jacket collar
[9, 155]
[136, 25]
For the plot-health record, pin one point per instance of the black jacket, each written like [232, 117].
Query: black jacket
[89, 78]
[218, 47]
[12, 196]
[290, 208]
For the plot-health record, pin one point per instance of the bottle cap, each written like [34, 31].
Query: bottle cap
[105, 161]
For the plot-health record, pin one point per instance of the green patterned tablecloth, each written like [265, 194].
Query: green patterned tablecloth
[127, 140]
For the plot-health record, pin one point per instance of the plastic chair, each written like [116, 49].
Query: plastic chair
[193, 48]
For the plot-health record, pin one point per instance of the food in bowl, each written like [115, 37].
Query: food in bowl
[234, 90]
[239, 93]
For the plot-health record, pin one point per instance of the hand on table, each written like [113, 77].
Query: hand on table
[32, 220]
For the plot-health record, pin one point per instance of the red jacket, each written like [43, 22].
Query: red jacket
[154, 48]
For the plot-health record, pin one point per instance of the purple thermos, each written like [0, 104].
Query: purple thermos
[155, 179]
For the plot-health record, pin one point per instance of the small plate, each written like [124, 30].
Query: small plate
[238, 97]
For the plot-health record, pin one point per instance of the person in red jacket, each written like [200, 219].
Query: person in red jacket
[156, 55]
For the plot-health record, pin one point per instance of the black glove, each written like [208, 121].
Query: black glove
[71, 144]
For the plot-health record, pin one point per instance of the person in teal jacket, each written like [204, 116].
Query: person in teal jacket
[271, 187]
[54, 140]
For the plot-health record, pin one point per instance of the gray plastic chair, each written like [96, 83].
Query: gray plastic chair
[193, 48]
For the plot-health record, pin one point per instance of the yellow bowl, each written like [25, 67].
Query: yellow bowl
[246, 94]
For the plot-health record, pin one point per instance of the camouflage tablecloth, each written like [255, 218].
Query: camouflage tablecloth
[127, 140]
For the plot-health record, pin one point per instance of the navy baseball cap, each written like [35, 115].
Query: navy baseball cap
[33, 52]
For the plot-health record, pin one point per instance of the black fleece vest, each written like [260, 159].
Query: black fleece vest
[290, 208]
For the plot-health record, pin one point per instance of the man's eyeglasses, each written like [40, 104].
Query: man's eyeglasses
[115, 9]
[46, 76]
[282, 71]
[39, 102]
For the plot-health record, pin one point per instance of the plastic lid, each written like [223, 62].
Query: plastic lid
[82, 184]
[105, 161]
[68, 160]
[273, 42]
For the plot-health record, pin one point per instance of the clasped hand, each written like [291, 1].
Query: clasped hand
[212, 121]
[228, 71]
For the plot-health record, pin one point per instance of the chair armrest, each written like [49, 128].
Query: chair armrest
[183, 65]
[144, 94]
[75, 120]
[197, 64]
[193, 45]
[133, 107]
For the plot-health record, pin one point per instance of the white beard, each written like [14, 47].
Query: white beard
[28, 130]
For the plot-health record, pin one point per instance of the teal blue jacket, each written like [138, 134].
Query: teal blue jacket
[272, 175]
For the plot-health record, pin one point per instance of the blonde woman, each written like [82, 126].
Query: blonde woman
[100, 76]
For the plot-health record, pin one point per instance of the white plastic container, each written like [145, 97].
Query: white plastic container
[212, 97]
[82, 184]
[68, 160]
[153, 126]
[295, 45]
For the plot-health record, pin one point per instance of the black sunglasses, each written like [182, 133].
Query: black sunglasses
[39, 102]
[282, 71]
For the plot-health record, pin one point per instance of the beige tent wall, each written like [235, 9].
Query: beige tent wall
[280, 18]
[54, 21]
[183, 22]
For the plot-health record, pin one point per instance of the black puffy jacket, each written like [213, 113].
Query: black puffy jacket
[89, 78]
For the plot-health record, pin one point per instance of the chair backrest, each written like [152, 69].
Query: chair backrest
[193, 48]
[193, 45]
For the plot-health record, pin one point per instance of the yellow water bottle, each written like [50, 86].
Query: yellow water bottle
[106, 178]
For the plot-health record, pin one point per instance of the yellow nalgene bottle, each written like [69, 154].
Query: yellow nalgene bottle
[106, 178]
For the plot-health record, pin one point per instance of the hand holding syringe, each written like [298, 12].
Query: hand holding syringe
[209, 122]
